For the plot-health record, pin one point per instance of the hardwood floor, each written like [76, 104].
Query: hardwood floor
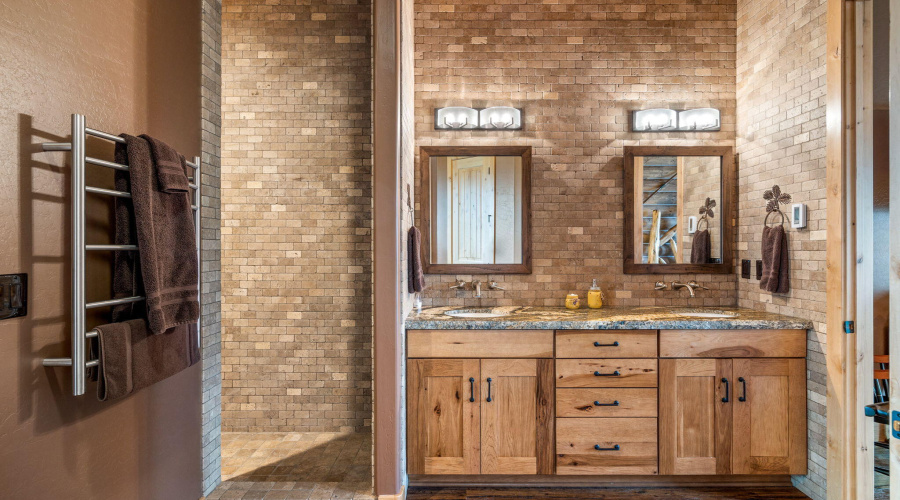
[744, 493]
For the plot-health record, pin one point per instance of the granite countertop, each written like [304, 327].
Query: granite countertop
[606, 318]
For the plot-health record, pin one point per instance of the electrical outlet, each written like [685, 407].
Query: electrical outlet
[745, 269]
[13, 295]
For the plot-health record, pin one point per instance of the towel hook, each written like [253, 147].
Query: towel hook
[706, 213]
[774, 198]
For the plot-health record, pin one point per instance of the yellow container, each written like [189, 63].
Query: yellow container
[595, 296]
[573, 301]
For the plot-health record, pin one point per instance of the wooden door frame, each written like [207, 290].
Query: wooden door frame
[849, 356]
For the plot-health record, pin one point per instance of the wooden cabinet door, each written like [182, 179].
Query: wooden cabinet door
[769, 416]
[517, 416]
[695, 416]
[444, 421]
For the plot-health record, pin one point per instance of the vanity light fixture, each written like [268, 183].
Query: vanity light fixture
[463, 118]
[500, 117]
[700, 119]
[670, 120]
[455, 118]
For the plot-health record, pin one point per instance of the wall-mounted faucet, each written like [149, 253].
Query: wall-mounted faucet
[690, 285]
[476, 286]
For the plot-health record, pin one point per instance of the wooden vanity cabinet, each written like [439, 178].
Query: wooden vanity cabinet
[488, 415]
[732, 415]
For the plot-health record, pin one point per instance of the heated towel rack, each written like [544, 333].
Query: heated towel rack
[79, 362]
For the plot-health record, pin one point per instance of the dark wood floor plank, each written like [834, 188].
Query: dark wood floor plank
[419, 493]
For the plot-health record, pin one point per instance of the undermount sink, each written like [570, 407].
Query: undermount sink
[701, 313]
[477, 313]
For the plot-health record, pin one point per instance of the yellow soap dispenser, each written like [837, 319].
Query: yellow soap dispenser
[595, 296]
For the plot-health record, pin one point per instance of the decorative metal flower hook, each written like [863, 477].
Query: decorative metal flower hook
[706, 212]
[775, 198]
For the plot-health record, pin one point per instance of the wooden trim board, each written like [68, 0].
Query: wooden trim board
[546, 481]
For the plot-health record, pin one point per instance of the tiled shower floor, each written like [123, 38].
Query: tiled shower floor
[295, 465]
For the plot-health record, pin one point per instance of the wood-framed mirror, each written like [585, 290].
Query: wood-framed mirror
[476, 209]
[678, 209]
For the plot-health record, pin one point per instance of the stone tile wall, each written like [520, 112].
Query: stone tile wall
[296, 211]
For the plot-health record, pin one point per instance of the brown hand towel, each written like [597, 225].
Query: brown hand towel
[164, 229]
[131, 358]
[701, 247]
[775, 261]
[415, 276]
[171, 169]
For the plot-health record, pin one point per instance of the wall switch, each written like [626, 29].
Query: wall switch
[13, 295]
[745, 269]
[759, 269]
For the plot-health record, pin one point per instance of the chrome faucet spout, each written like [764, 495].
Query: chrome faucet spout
[476, 285]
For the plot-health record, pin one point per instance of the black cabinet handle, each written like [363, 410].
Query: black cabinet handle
[471, 390]
[614, 344]
[489, 389]
[599, 448]
[725, 399]
[598, 403]
[613, 374]
[744, 384]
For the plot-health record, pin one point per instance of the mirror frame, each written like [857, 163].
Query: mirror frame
[726, 207]
[425, 154]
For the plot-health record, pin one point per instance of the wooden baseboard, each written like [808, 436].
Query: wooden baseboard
[546, 481]
[398, 496]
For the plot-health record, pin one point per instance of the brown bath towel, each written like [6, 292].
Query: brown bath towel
[775, 261]
[171, 169]
[415, 276]
[701, 247]
[164, 230]
[131, 358]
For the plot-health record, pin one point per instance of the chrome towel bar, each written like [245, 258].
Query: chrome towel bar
[79, 362]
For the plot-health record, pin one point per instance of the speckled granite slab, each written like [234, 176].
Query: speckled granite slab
[607, 318]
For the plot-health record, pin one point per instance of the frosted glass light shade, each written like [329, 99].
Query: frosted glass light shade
[455, 118]
[700, 119]
[500, 117]
[655, 120]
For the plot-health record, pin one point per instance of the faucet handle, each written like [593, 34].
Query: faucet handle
[460, 285]
[494, 286]
[694, 284]
[660, 286]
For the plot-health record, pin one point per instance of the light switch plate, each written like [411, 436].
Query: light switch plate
[13, 295]
[745, 269]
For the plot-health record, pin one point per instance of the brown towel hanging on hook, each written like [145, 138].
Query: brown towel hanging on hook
[776, 276]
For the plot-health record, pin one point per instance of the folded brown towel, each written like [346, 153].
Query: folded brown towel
[164, 228]
[775, 261]
[415, 276]
[131, 358]
[171, 169]
[701, 247]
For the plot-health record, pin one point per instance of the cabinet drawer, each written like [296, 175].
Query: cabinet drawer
[606, 373]
[606, 402]
[480, 343]
[606, 344]
[578, 438]
[732, 344]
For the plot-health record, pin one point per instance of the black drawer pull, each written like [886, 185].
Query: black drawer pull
[614, 344]
[599, 448]
[744, 384]
[598, 403]
[613, 374]
[489, 389]
[471, 390]
[725, 399]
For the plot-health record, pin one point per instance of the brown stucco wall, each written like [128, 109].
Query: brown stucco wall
[128, 65]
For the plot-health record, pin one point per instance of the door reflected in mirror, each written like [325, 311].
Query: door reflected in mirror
[476, 209]
[679, 199]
